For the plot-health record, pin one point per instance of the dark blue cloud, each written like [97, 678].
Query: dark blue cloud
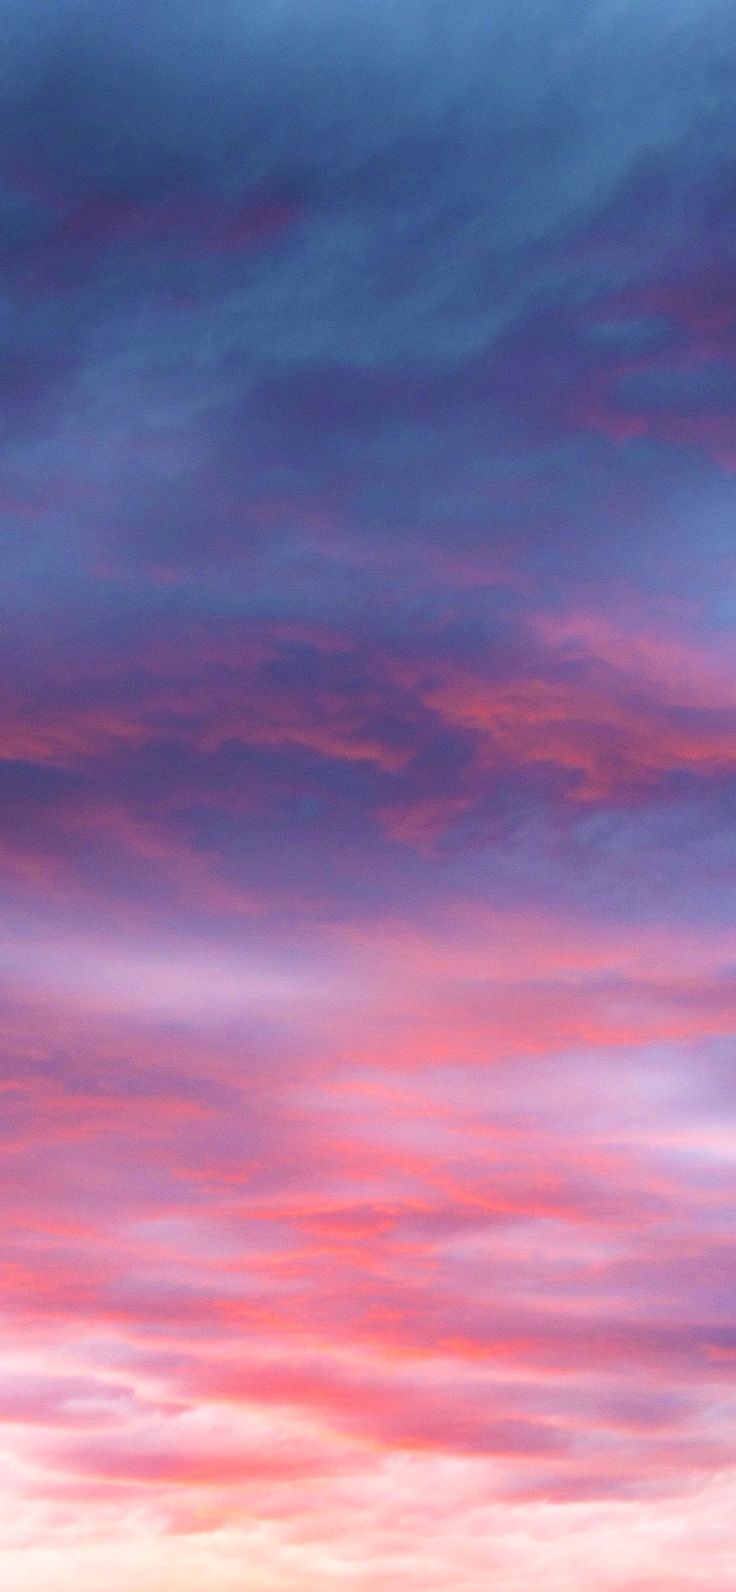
[326, 317]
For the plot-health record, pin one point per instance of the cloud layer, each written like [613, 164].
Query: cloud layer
[367, 763]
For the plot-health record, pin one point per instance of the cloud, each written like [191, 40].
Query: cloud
[367, 756]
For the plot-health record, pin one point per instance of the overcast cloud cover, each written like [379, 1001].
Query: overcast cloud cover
[368, 739]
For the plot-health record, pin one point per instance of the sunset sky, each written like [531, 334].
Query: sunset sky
[368, 796]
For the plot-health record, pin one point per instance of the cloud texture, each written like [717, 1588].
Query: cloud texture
[367, 775]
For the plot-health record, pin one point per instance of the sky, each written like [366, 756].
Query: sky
[367, 795]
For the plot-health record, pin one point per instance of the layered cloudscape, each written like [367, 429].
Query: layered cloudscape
[367, 780]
